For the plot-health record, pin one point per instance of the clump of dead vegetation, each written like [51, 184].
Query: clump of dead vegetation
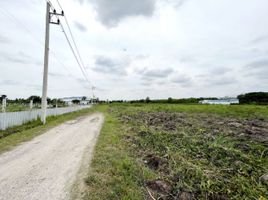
[199, 155]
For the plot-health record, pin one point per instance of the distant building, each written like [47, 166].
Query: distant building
[221, 101]
[69, 100]
[85, 102]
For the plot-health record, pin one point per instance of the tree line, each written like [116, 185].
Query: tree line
[260, 98]
[169, 100]
[35, 99]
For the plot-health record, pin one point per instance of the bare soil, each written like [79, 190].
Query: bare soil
[199, 155]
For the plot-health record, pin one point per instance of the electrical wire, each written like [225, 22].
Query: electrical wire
[75, 44]
[77, 58]
[81, 63]
[18, 22]
[70, 45]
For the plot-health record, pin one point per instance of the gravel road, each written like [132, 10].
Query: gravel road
[47, 167]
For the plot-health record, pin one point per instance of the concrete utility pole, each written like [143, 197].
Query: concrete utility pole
[93, 96]
[49, 16]
[4, 104]
[45, 75]
[31, 104]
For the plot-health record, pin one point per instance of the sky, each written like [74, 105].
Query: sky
[134, 49]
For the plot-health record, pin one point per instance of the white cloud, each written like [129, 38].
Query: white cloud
[110, 13]
[108, 65]
[157, 73]
[80, 26]
[181, 79]
[157, 48]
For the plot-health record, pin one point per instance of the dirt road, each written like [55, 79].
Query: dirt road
[47, 167]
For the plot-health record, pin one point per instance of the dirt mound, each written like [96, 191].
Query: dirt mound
[155, 162]
[254, 129]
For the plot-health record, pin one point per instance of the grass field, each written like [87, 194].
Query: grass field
[16, 108]
[20, 107]
[154, 151]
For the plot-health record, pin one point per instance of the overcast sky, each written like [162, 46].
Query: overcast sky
[134, 49]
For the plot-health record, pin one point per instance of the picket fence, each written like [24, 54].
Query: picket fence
[11, 119]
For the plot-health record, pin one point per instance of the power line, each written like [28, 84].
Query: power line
[18, 22]
[77, 50]
[70, 45]
[74, 50]
[75, 44]
[28, 30]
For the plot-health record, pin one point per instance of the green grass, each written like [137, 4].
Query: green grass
[19, 107]
[16, 108]
[115, 173]
[238, 111]
[197, 155]
[16, 135]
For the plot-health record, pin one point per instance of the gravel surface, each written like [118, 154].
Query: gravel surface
[46, 168]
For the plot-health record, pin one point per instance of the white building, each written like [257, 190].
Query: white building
[223, 101]
[69, 100]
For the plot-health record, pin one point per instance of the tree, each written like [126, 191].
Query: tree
[84, 98]
[3, 96]
[54, 102]
[49, 101]
[60, 102]
[36, 99]
[169, 100]
[75, 101]
[253, 98]
[147, 100]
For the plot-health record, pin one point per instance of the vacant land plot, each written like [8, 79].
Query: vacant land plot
[181, 152]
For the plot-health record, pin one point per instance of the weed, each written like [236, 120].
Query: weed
[181, 152]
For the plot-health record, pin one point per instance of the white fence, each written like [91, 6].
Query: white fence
[11, 119]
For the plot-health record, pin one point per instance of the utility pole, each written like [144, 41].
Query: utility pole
[49, 21]
[4, 104]
[45, 75]
[31, 104]
[93, 96]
